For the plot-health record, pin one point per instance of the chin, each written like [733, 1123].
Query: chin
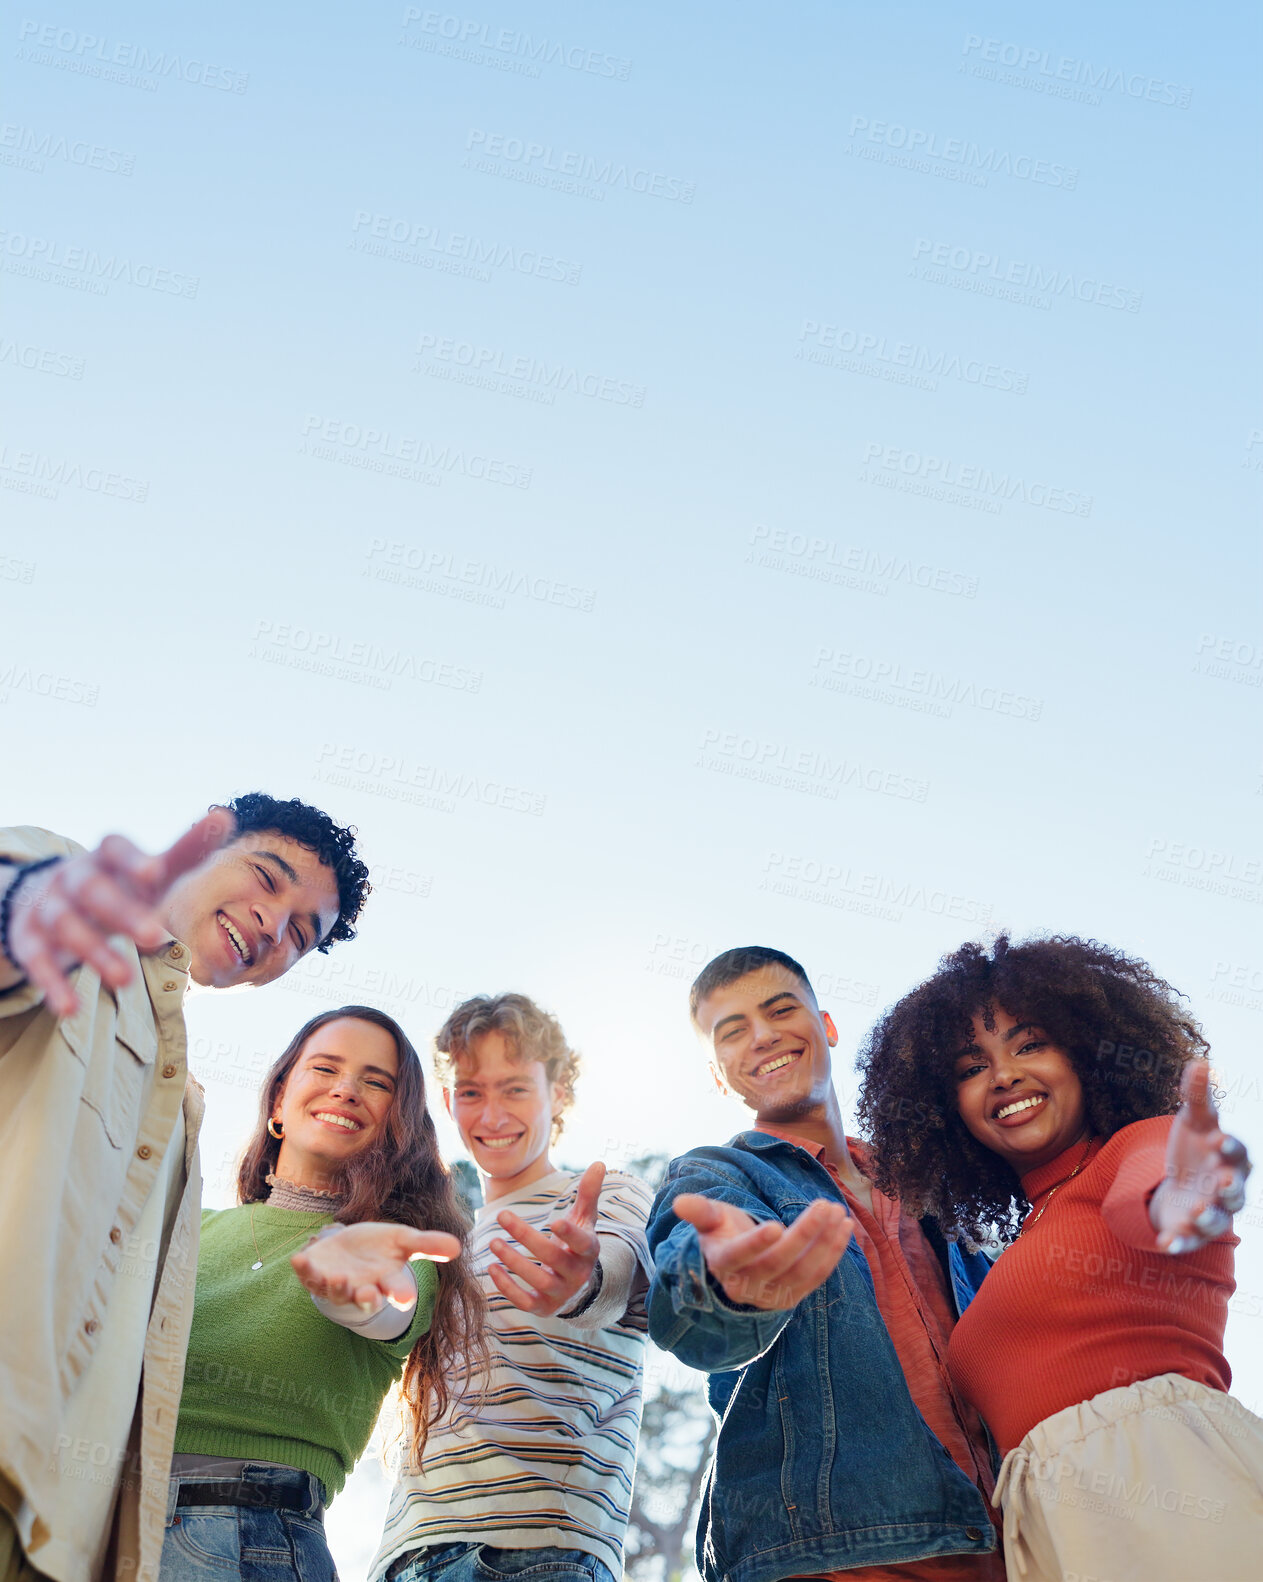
[791, 1107]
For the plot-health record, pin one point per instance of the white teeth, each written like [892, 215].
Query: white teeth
[496, 1142]
[1022, 1104]
[338, 1120]
[239, 944]
[775, 1065]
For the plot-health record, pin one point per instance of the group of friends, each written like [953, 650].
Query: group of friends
[986, 1339]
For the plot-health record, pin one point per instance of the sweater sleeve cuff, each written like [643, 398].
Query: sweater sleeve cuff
[1125, 1208]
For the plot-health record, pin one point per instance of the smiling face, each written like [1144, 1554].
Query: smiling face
[504, 1107]
[770, 1044]
[335, 1100]
[1018, 1094]
[250, 911]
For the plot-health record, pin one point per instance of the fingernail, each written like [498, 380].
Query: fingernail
[1232, 1148]
[1183, 1244]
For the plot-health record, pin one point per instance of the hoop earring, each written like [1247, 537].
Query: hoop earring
[275, 1129]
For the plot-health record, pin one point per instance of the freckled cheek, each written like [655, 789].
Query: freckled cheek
[379, 1114]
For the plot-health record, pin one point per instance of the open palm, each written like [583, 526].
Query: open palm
[1206, 1169]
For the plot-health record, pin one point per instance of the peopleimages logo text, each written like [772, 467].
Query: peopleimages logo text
[1052, 282]
[583, 167]
[1067, 68]
[93, 50]
[959, 151]
[471, 34]
[943, 471]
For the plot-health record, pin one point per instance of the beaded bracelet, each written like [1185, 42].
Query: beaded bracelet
[7, 899]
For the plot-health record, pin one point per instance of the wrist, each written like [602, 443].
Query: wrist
[10, 900]
[590, 1292]
[1154, 1204]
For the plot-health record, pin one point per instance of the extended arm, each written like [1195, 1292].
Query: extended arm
[359, 1275]
[728, 1272]
[1176, 1192]
[1204, 1182]
[61, 914]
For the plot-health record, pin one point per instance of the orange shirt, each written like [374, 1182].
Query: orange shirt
[1085, 1292]
[916, 1306]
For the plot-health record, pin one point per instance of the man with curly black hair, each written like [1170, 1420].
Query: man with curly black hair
[821, 1308]
[98, 1132]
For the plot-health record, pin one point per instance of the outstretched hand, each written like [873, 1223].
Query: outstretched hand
[564, 1256]
[1206, 1169]
[769, 1265]
[65, 914]
[368, 1263]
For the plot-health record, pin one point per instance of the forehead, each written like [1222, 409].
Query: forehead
[743, 994]
[352, 1038]
[314, 880]
[992, 1021]
[493, 1057]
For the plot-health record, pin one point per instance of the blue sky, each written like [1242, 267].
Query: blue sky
[672, 477]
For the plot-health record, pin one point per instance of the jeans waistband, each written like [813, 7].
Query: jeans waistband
[256, 1486]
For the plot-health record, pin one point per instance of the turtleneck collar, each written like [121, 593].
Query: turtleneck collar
[308, 1200]
[1035, 1182]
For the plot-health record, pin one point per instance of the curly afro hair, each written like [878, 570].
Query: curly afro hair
[1119, 1023]
[334, 845]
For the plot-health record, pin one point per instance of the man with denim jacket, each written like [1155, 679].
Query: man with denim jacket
[821, 1310]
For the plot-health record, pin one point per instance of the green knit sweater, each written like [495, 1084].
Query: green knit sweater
[267, 1375]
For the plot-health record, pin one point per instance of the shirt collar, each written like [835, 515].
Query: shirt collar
[857, 1149]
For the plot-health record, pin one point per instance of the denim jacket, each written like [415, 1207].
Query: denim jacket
[823, 1462]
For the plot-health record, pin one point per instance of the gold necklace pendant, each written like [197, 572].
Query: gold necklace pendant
[258, 1256]
[1052, 1191]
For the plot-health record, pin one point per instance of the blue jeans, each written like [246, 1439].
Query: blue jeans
[483, 1563]
[216, 1543]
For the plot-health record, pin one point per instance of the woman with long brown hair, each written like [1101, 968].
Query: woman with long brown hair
[282, 1388]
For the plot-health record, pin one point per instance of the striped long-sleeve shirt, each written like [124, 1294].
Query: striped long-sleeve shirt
[549, 1457]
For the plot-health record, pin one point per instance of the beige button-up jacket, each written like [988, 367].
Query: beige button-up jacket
[88, 1106]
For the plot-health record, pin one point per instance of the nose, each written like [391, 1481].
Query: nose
[494, 1114]
[764, 1034]
[1005, 1072]
[344, 1086]
[271, 923]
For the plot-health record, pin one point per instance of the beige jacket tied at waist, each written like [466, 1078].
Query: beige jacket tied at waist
[88, 1107]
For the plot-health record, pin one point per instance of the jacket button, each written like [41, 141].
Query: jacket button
[176, 952]
[973, 1535]
[143, 1151]
[170, 984]
[168, 1071]
[116, 1235]
[91, 1327]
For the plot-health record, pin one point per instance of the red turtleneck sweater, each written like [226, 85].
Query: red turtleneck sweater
[1083, 1301]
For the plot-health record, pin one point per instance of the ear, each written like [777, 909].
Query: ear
[717, 1077]
[829, 1028]
[447, 1101]
[558, 1100]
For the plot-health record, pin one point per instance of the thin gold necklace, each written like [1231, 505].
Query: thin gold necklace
[258, 1264]
[1052, 1192]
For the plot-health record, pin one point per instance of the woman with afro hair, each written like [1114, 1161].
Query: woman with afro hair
[1053, 1095]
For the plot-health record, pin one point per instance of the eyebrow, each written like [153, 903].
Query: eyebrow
[295, 879]
[740, 1016]
[973, 1049]
[338, 1060]
[473, 1082]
